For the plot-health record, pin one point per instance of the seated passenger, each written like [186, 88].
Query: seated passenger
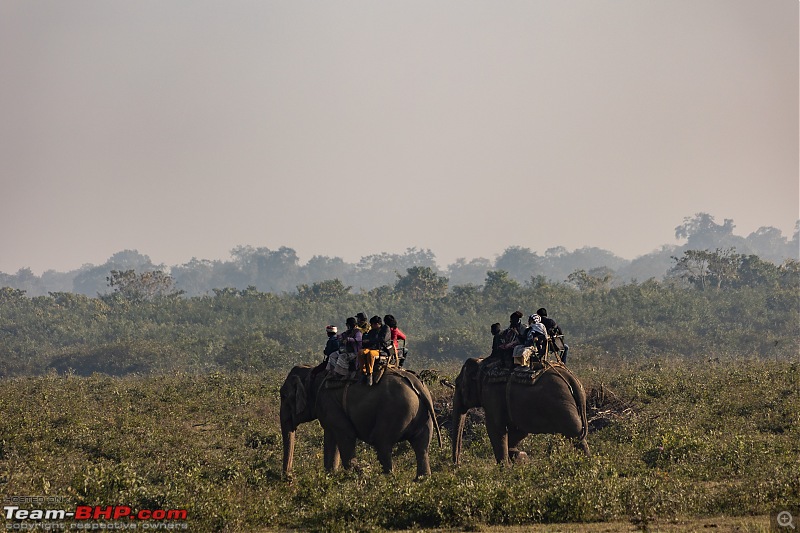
[331, 350]
[497, 339]
[376, 341]
[362, 323]
[555, 334]
[349, 347]
[397, 334]
[537, 336]
[510, 337]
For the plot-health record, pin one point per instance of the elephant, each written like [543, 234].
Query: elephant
[555, 403]
[397, 408]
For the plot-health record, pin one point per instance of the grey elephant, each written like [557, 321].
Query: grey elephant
[554, 403]
[398, 408]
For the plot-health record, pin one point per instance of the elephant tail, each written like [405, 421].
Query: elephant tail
[579, 394]
[429, 405]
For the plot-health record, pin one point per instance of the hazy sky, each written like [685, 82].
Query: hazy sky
[346, 128]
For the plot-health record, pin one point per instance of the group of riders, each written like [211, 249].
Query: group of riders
[364, 342]
[361, 344]
[521, 345]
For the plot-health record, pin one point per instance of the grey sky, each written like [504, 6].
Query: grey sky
[184, 128]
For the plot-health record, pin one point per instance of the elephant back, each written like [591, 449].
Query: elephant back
[497, 373]
[530, 376]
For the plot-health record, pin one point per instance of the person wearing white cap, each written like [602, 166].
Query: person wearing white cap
[331, 347]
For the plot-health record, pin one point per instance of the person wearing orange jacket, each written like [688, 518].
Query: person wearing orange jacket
[378, 340]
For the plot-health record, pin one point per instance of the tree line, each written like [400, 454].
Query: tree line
[279, 271]
[714, 304]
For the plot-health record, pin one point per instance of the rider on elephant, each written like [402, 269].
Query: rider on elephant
[497, 339]
[331, 350]
[554, 331]
[536, 335]
[548, 323]
[376, 341]
[510, 337]
[333, 341]
[397, 334]
[362, 323]
[349, 347]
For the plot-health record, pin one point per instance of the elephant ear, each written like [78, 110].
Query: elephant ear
[299, 395]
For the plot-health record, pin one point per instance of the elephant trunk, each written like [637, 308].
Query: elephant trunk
[288, 430]
[459, 418]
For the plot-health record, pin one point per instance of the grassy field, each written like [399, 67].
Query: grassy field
[673, 442]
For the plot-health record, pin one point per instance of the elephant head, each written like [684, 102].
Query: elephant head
[295, 409]
[467, 396]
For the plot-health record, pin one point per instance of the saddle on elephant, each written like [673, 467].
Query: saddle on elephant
[392, 357]
[492, 371]
[336, 380]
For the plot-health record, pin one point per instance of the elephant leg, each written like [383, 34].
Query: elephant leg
[515, 436]
[498, 436]
[330, 452]
[420, 443]
[385, 456]
[347, 449]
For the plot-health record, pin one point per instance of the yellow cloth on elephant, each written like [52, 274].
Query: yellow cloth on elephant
[366, 360]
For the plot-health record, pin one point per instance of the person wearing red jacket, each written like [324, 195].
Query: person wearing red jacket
[397, 334]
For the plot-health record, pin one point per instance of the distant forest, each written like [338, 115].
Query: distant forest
[280, 271]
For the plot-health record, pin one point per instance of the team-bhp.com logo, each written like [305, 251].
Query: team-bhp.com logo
[120, 517]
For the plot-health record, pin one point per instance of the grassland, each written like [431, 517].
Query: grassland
[672, 440]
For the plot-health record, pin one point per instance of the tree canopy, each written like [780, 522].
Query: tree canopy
[281, 271]
[717, 303]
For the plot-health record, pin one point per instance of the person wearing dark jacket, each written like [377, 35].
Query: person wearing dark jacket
[553, 331]
[549, 324]
[378, 339]
[331, 350]
[333, 341]
[497, 339]
[510, 337]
